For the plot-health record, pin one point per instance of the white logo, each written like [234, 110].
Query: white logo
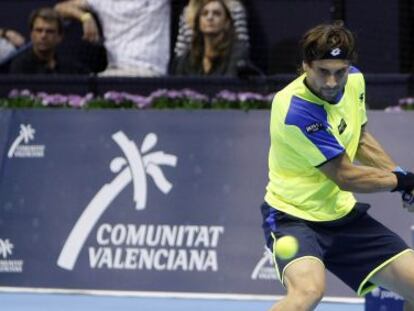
[382, 293]
[6, 248]
[336, 52]
[264, 269]
[135, 167]
[376, 292]
[7, 265]
[25, 150]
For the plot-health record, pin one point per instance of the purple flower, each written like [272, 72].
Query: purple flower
[77, 101]
[173, 94]
[158, 93]
[406, 101]
[138, 100]
[393, 109]
[26, 92]
[52, 99]
[194, 96]
[269, 98]
[248, 96]
[226, 95]
[114, 96]
[14, 93]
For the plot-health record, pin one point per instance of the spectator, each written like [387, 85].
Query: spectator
[186, 24]
[215, 49]
[10, 40]
[136, 33]
[46, 32]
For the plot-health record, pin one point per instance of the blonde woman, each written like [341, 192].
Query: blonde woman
[186, 24]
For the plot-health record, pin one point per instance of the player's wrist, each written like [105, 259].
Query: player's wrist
[405, 181]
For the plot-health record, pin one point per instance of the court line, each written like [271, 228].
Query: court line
[213, 296]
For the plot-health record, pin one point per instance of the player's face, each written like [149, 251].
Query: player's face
[45, 35]
[327, 77]
[213, 19]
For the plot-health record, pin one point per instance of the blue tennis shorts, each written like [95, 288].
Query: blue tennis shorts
[353, 247]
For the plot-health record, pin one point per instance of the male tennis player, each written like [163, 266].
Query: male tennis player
[317, 130]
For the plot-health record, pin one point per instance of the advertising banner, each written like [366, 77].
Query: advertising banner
[146, 201]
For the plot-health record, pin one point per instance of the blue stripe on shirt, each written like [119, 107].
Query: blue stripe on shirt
[312, 120]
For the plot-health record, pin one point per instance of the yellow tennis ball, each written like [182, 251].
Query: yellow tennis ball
[286, 247]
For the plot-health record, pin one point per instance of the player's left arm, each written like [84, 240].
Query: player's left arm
[371, 153]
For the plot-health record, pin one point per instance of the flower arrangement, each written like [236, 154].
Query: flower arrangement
[159, 99]
[406, 103]
[245, 100]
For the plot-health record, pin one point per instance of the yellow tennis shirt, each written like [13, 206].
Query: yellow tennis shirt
[306, 132]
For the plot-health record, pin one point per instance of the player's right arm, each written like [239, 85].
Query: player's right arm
[78, 9]
[356, 178]
[364, 179]
[371, 153]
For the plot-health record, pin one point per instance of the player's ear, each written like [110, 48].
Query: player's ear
[305, 66]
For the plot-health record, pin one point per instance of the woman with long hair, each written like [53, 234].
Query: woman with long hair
[186, 24]
[214, 48]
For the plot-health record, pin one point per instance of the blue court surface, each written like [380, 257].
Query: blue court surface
[68, 302]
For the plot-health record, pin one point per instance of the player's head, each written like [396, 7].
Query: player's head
[327, 50]
[46, 30]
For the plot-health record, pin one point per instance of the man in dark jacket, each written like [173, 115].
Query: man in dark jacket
[46, 32]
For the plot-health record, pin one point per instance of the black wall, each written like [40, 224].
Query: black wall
[383, 29]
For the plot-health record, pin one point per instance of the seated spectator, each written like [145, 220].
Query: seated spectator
[46, 32]
[10, 41]
[215, 51]
[136, 33]
[186, 24]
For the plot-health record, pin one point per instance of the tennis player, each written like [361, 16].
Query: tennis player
[317, 130]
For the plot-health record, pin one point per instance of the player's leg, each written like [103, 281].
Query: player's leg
[304, 274]
[398, 276]
[305, 283]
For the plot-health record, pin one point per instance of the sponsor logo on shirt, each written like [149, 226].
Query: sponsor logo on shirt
[314, 127]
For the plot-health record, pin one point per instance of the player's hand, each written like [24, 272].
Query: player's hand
[408, 201]
[90, 30]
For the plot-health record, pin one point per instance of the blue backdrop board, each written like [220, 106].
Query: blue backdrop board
[149, 201]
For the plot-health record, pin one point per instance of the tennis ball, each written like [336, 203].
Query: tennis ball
[286, 247]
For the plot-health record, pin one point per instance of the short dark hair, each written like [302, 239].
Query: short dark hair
[322, 40]
[49, 15]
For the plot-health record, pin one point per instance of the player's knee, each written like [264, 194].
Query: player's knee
[310, 294]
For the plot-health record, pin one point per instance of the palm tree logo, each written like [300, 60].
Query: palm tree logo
[134, 166]
[6, 248]
[26, 134]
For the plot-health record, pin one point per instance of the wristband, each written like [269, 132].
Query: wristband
[405, 181]
[85, 17]
[400, 169]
